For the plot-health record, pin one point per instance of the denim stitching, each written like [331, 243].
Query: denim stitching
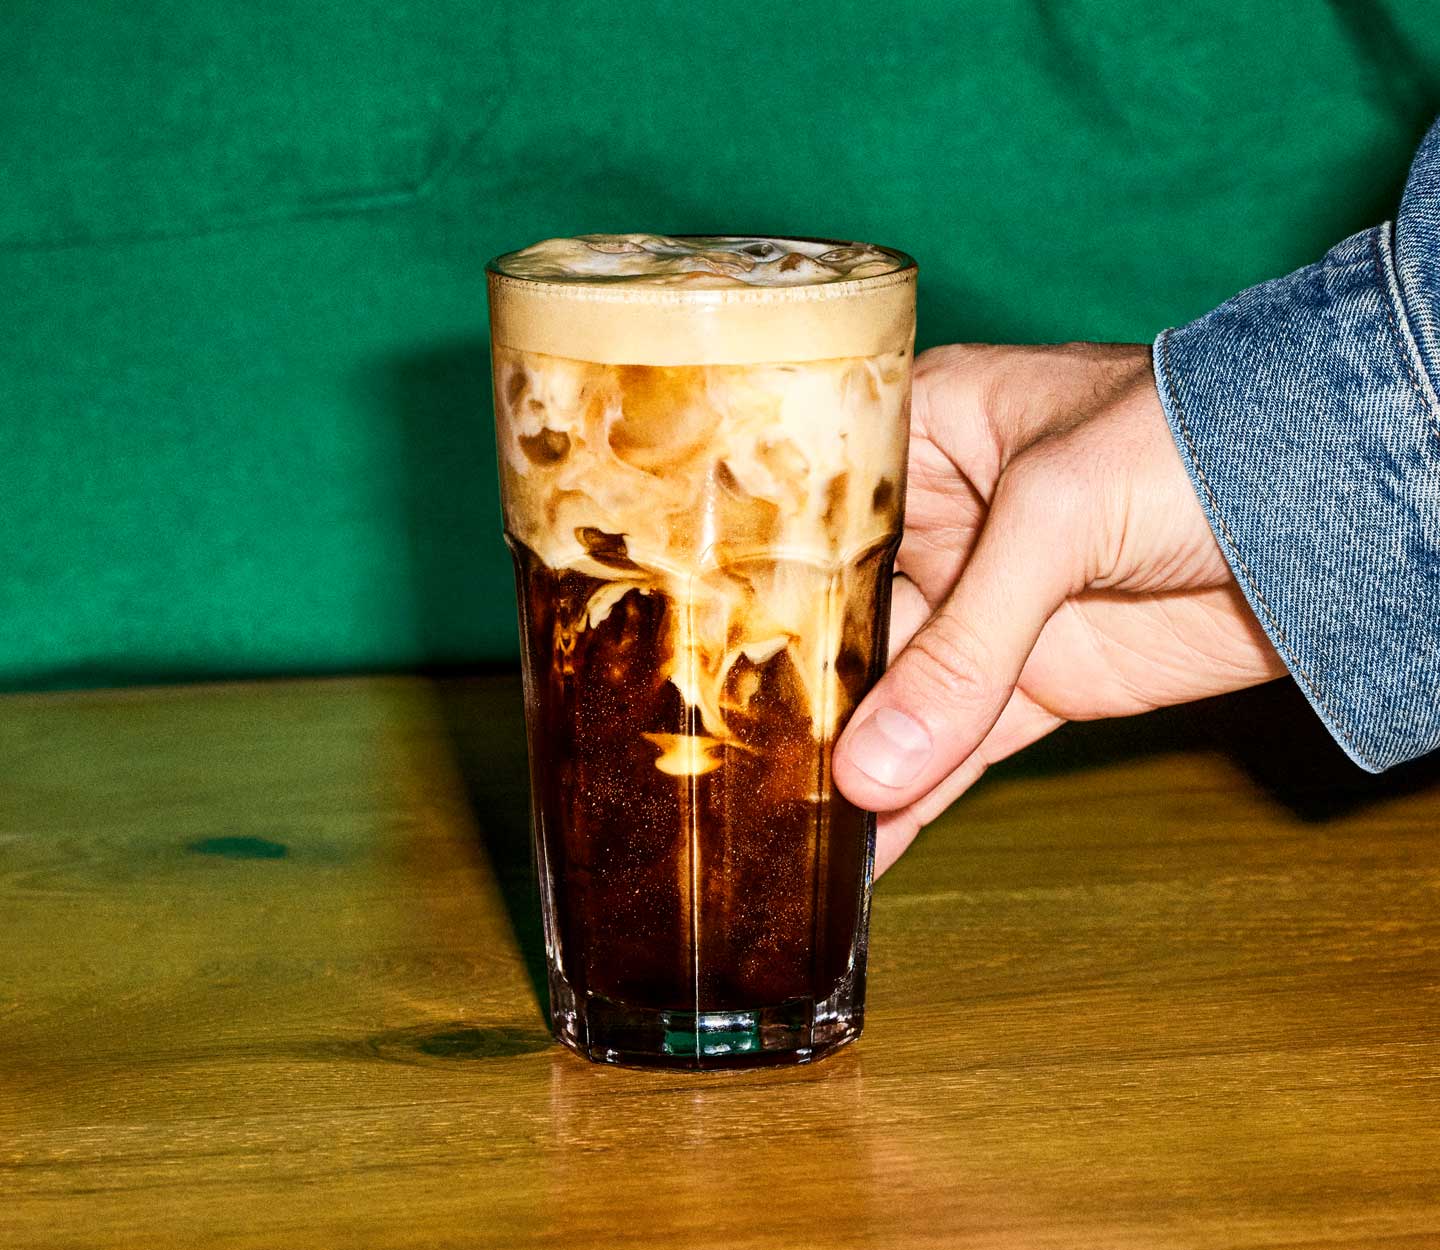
[1402, 341]
[1279, 633]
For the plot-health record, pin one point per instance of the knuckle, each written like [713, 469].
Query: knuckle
[948, 665]
[1045, 482]
[942, 359]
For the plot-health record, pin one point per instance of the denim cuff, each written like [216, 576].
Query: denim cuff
[1309, 425]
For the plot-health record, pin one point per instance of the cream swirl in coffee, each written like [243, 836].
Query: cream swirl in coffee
[717, 423]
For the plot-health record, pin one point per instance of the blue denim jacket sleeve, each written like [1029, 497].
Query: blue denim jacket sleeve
[1305, 410]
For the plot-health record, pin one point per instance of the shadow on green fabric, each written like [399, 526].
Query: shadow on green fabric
[240, 848]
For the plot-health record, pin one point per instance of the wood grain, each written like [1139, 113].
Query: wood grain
[268, 978]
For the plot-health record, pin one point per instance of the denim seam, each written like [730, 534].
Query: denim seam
[1404, 341]
[1276, 631]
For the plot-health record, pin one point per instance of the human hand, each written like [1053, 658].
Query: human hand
[1056, 565]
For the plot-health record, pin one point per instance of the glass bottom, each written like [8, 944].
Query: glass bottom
[798, 1031]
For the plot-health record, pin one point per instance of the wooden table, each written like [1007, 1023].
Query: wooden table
[268, 959]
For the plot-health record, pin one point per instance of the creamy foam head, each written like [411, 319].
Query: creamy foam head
[653, 300]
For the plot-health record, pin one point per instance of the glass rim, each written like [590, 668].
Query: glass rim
[619, 289]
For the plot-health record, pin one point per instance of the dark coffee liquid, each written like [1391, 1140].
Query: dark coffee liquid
[726, 889]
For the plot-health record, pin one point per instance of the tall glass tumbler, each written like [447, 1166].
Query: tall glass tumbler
[703, 481]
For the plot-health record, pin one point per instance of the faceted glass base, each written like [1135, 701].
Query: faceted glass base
[798, 1031]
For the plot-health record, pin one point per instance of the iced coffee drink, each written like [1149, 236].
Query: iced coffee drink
[702, 454]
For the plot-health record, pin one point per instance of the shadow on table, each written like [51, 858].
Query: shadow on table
[445, 475]
[1276, 737]
[1269, 731]
[485, 723]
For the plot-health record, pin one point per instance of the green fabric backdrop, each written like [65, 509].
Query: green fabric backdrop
[245, 422]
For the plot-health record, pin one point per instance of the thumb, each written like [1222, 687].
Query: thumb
[948, 686]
